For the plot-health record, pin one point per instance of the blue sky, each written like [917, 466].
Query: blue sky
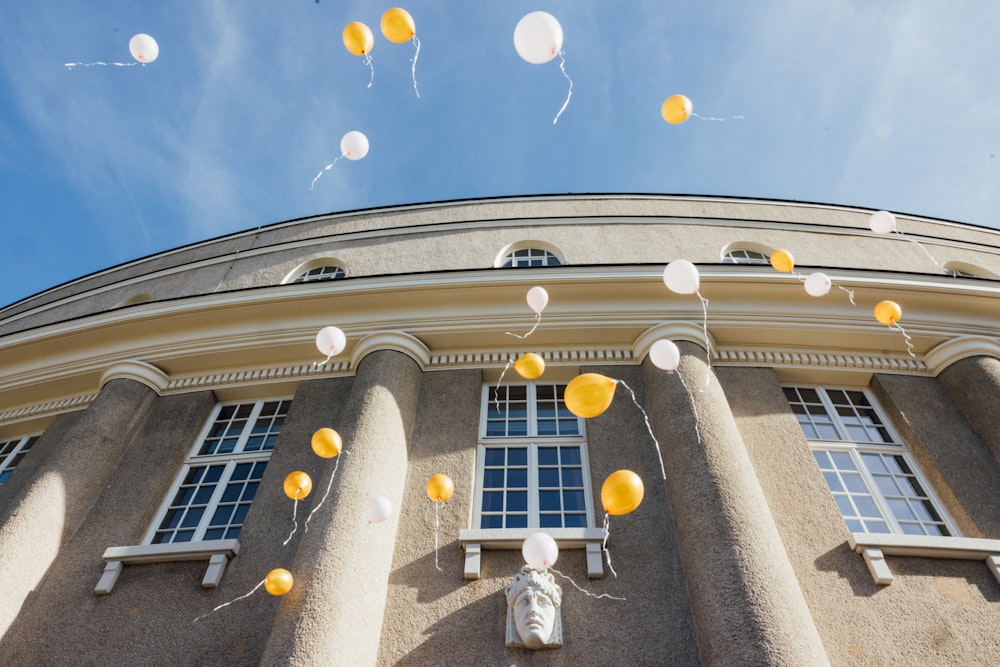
[892, 105]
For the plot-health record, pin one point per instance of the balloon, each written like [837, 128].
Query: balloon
[676, 109]
[278, 581]
[681, 276]
[622, 492]
[326, 443]
[331, 341]
[354, 145]
[882, 222]
[398, 26]
[530, 366]
[888, 312]
[664, 354]
[818, 284]
[589, 395]
[538, 37]
[440, 488]
[538, 298]
[298, 485]
[379, 509]
[540, 551]
[358, 38]
[143, 48]
[782, 260]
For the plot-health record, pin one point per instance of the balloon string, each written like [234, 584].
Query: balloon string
[648, 427]
[584, 590]
[708, 344]
[368, 61]
[326, 168]
[538, 320]
[437, 525]
[694, 409]
[906, 337]
[717, 119]
[496, 392]
[850, 294]
[102, 64]
[305, 527]
[926, 252]
[226, 604]
[569, 94]
[414, 68]
[295, 524]
[604, 544]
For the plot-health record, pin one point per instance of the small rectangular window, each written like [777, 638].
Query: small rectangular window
[866, 466]
[213, 493]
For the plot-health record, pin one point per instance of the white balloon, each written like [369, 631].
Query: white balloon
[681, 276]
[331, 341]
[379, 509]
[538, 298]
[818, 284]
[538, 37]
[664, 354]
[882, 222]
[143, 48]
[540, 551]
[354, 145]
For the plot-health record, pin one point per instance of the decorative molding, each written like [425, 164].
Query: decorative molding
[675, 331]
[875, 547]
[820, 360]
[216, 552]
[257, 376]
[140, 371]
[391, 340]
[47, 409]
[475, 540]
[956, 349]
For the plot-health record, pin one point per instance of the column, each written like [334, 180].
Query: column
[974, 385]
[40, 520]
[333, 615]
[745, 599]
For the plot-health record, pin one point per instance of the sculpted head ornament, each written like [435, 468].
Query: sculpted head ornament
[533, 610]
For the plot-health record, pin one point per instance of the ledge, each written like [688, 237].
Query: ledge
[216, 552]
[474, 541]
[874, 548]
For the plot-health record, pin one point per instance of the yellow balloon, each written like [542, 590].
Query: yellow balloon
[298, 485]
[782, 260]
[278, 581]
[326, 443]
[440, 488]
[589, 395]
[622, 492]
[676, 109]
[888, 312]
[530, 366]
[358, 38]
[398, 26]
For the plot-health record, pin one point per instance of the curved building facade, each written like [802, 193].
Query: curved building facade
[820, 487]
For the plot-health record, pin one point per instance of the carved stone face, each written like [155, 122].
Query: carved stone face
[534, 616]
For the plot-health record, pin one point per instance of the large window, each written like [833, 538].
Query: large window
[213, 493]
[532, 469]
[11, 453]
[871, 475]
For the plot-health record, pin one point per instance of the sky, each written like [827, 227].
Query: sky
[884, 105]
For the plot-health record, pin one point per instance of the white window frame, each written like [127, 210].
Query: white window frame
[319, 273]
[745, 256]
[523, 258]
[10, 459]
[229, 460]
[894, 447]
[584, 537]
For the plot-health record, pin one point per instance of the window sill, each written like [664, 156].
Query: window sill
[874, 548]
[474, 541]
[216, 552]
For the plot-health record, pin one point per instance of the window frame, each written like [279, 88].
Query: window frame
[893, 446]
[728, 258]
[532, 442]
[230, 460]
[10, 460]
[319, 273]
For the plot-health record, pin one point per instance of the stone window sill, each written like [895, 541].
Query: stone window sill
[874, 548]
[216, 552]
[474, 541]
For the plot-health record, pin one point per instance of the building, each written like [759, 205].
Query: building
[830, 489]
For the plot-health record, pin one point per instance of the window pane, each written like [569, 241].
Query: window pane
[550, 521]
[548, 477]
[493, 479]
[866, 507]
[572, 477]
[573, 501]
[548, 501]
[570, 456]
[491, 521]
[493, 501]
[517, 478]
[494, 457]
[517, 456]
[548, 456]
[517, 521]
[517, 501]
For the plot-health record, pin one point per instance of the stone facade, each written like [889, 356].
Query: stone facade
[738, 557]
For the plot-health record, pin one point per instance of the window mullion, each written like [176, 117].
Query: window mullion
[533, 505]
[874, 490]
[213, 502]
[532, 399]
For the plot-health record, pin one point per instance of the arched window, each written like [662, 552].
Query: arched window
[325, 272]
[742, 255]
[525, 254]
[965, 270]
